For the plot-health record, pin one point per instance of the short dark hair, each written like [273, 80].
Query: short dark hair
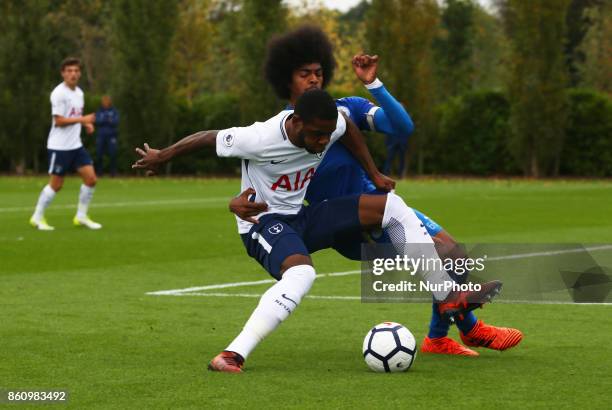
[316, 104]
[286, 53]
[68, 61]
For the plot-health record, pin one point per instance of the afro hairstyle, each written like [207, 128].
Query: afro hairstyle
[286, 53]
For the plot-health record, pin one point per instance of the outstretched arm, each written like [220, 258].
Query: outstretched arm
[61, 121]
[391, 118]
[151, 158]
[354, 141]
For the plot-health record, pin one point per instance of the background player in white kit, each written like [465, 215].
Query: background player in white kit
[65, 149]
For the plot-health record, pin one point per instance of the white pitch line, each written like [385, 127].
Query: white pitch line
[416, 300]
[257, 295]
[125, 204]
[237, 284]
[549, 253]
[356, 272]
[210, 287]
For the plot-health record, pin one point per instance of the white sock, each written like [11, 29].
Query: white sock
[46, 196]
[410, 237]
[274, 306]
[85, 196]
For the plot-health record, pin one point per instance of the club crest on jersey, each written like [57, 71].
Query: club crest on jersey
[276, 229]
[229, 140]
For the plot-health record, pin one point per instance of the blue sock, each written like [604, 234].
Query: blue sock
[467, 323]
[438, 327]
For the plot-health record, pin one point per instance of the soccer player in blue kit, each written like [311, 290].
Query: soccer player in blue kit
[302, 60]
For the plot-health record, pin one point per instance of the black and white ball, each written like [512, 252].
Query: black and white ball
[389, 347]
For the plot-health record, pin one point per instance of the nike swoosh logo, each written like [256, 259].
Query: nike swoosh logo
[278, 162]
[285, 297]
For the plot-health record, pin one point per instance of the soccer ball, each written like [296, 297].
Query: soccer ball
[389, 347]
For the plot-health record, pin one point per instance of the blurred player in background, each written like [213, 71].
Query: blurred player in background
[303, 60]
[396, 147]
[107, 123]
[65, 149]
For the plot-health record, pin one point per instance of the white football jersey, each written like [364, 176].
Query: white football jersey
[277, 170]
[67, 103]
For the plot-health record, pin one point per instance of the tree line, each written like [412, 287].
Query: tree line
[522, 88]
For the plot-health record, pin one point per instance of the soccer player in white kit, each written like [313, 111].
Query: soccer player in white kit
[279, 157]
[65, 148]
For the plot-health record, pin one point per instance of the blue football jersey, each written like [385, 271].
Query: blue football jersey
[340, 173]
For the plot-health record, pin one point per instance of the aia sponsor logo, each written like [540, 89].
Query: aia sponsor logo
[75, 112]
[294, 182]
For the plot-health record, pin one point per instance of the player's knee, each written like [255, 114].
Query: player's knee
[56, 184]
[447, 247]
[371, 210]
[396, 208]
[295, 260]
[91, 181]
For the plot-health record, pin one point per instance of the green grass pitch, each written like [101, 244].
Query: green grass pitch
[76, 314]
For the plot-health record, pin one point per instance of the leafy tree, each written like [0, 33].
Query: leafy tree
[596, 70]
[143, 31]
[25, 64]
[347, 38]
[83, 29]
[191, 50]
[259, 20]
[402, 32]
[454, 48]
[537, 83]
[578, 21]
[489, 51]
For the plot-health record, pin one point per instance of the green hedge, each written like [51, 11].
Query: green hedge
[208, 112]
[473, 135]
[471, 139]
[588, 145]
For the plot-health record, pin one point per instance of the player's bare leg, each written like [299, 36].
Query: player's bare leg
[406, 231]
[45, 198]
[275, 305]
[88, 175]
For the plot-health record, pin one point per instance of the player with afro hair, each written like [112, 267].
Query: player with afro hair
[288, 53]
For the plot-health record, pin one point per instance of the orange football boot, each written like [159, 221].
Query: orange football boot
[228, 362]
[492, 337]
[445, 345]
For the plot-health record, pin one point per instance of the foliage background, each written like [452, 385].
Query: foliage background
[521, 89]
